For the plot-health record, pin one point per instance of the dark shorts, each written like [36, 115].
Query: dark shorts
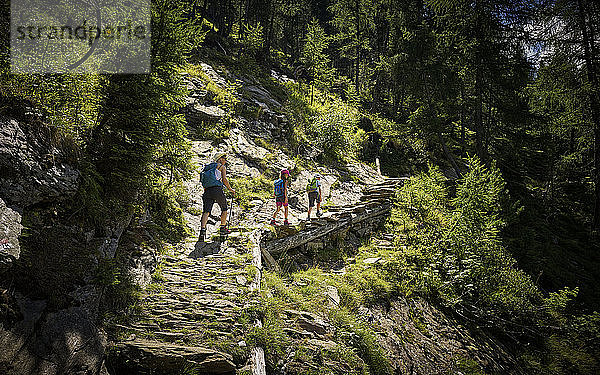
[280, 201]
[312, 197]
[212, 195]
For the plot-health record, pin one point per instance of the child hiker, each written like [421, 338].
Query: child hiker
[313, 188]
[213, 178]
[281, 196]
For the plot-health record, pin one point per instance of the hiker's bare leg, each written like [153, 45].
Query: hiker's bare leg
[309, 209]
[285, 211]
[318, 206]
[276, 211]
[204, 219]
[224, 217]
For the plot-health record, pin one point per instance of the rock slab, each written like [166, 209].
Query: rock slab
[10, 230]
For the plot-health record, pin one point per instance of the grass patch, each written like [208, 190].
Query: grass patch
[358, 348]
[249, 189]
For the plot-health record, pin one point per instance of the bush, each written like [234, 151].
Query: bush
[335, 130]
[455, 252]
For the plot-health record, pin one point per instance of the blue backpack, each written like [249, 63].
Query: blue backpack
[208, 176]
[279, 186]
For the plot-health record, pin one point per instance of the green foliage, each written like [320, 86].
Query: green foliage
[356, 334]
[69, 102]
[270, 336]
[164, 206]
[119, 289]
[335, 131]
[248, 189]
[252, 38]
[455, 244]
[314, 58]
[308, 294]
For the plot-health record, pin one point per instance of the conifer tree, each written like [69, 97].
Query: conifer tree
[314, 58]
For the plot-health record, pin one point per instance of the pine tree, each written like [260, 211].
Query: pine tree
[314, 58]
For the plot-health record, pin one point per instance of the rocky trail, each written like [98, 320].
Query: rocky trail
[199, 309]
[196, 317]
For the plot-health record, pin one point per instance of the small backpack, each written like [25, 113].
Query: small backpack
[208, 176]
[312, 185]
[279, 186]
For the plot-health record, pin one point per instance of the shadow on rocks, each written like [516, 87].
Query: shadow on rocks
[202, 249]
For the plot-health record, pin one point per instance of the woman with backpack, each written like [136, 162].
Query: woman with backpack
[213, 178]
[281, 196]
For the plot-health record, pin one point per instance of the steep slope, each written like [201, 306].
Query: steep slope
[198, 312]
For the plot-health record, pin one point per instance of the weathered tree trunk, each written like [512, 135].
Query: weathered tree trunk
[204, 8]
[479, 118]
[590, 59]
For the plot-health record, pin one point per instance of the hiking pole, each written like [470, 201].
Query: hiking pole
[230, 211]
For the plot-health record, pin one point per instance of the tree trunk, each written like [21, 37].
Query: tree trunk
[204, 9]
[479, 145]
[590, 58]
[462, 118]
[448, 154]
[357, 9]
[479, 118]
[269, 33]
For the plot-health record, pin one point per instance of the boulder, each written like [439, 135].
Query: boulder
[10, 230]
[332, 293]
[45, 186]
[143, 356]
[30, 168]
[61, 342]
[198, 113]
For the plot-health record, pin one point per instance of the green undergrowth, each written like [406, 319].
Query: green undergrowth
[225, 97]
[326, 121]
[357, 345]
[449, 249]
[249, 189]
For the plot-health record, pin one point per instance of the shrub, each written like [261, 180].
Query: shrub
[455, 252]
[335, 130]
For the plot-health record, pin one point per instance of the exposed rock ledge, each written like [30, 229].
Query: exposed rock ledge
[10, 230]
[160, 357]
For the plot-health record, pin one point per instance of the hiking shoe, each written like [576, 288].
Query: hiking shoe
[319, 213]
[308, 218]
[224, 230]
[202, 235]
[273, 222]
[285, 222]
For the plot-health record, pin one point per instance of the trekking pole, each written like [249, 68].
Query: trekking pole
[230, 211]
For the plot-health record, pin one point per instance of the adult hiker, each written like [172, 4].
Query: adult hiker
[313, 188]
[213, 178]
[281, 196]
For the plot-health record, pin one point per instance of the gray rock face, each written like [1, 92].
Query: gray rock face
[64, 342]
[10, 230]
[199, 114]
[419, 339]
[29, 171]
[163, 358]
[17, 150]
[48, 185]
